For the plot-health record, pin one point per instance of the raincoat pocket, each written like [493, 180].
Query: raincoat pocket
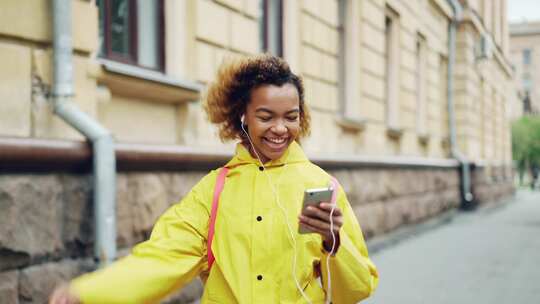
[311, 286]
[310, 276]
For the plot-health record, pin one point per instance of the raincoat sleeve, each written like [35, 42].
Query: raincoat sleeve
[171, 258]
[353, 275]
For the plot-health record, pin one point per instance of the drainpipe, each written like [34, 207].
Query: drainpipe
[104, 163]
[466, 194]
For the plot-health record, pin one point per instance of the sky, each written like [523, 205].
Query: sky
[523, 10]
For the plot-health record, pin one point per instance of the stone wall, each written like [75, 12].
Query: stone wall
[384, 199]
[46, 219]
[491, 184]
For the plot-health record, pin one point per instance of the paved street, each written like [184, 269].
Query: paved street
[491, 255]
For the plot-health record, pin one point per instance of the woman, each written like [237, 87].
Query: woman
[259, 255]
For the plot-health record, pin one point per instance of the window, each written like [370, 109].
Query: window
[483, 117]
[421, 111]
[527, 82]
[349, 60]
[131, 31]
[392, 67]
[526, 57]
[443, 91]
[272, 27]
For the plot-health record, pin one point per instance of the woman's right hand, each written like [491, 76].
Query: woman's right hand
[63, 295]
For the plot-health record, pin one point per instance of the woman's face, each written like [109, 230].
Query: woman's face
[273, 119]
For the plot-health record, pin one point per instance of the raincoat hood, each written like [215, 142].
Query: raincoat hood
[293, 154]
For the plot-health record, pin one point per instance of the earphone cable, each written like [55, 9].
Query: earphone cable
[330, 254]
[278, 202]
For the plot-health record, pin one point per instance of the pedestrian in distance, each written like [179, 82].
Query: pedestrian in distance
[239, 228]
[535, 170]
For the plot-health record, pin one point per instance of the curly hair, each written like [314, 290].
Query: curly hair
[227, 97]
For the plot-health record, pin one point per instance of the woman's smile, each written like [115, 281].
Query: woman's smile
[273, 120]
[276, 143]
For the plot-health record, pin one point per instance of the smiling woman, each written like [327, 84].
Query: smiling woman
[250, 249]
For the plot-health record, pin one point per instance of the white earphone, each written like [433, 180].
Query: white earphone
[291, 234]
[278, 202]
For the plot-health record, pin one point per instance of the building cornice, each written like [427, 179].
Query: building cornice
[524, 29]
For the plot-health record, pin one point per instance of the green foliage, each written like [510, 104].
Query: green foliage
[526, 142]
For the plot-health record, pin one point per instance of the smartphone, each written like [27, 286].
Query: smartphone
[314, 197]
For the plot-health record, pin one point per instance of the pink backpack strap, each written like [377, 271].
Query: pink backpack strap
[220, 182]
[335, 186]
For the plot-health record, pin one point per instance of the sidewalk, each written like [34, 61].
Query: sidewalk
[491, 255]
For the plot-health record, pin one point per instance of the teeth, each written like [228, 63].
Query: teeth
[277, 140]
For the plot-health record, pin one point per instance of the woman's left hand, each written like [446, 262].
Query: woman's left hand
[317, 219]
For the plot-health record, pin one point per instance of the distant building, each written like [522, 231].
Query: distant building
[525, 56]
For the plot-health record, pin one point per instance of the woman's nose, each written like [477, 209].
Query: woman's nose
[279, 128]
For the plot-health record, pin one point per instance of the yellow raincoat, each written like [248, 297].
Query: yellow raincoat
[252, 247]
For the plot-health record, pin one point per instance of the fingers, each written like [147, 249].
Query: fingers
[317, 219]
[323, 233]
[328, 207]
[323, 213]
[318, 225]
[62, 295]
[57, 296]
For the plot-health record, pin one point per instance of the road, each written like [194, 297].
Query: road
[491, 255]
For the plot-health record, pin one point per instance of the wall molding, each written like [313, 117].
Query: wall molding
[46, 155]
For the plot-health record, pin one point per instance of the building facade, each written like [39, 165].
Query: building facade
[376, 74]
[375, 71]
[525, 50]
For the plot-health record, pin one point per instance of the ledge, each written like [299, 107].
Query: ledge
[44, 155]
[357, 161]
[351, 124]
[423, 138]
[524, 28]
[142, 157]
[132, 81]
[394, 132]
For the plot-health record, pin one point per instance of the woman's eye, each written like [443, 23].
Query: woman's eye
[292, 118]
[265, 119]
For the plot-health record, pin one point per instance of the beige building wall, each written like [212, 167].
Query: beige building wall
[484, 88]
[25, 77]
[164, 108]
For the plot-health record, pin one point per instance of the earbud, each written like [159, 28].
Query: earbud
[242, 119]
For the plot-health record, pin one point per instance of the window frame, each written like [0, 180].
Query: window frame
[527, 57]
[421, 85]
[392, 70]
[272, 16]
[349, 62]
[132, 59]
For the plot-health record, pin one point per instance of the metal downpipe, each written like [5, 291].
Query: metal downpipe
[466, 193]
[104, 162]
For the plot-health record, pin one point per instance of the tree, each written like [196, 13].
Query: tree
[526, 144]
